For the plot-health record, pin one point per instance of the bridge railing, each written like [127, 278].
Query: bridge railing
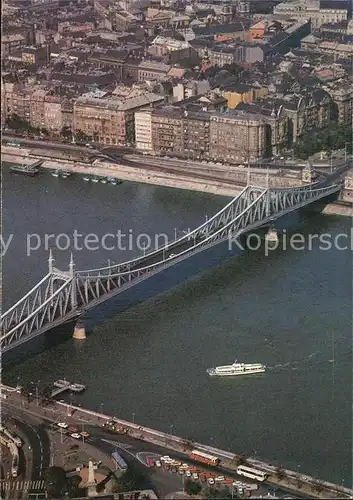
[171, 245]
[41, 308]
[206, 241]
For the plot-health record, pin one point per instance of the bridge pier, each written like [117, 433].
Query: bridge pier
[79, 331]
[272, 236]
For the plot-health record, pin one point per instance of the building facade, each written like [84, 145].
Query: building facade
[236, 138]
[143, 130]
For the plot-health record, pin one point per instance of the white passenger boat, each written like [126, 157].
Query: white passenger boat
[95, 179]
[87, 179]
[236, 369]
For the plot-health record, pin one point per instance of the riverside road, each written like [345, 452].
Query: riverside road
[74, 415]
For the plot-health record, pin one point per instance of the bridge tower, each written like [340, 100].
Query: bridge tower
[307, 173]
[51, 270]
[73, 283]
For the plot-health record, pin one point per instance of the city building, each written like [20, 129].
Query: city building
[318, 11]
[143, 130]
[236, 137]
[52, 114]
[109, 120]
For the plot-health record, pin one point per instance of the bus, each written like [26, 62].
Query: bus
[119, 461]
[256, 474]
[203, 457]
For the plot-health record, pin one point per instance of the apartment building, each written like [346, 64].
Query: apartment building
[53, 118]
[143, 130]
[110, 120]
[236, 138]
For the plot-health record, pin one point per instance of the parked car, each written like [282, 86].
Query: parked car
[75, 435]
[63, 425]
[210, 480]
[158, 463]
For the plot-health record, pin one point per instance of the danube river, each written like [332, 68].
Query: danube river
[291, 310]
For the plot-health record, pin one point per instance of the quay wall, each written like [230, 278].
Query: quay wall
[185, 178]
[229, 459]
[295, 481]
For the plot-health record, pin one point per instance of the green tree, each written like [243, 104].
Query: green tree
[280, 472]
[131, 480]
[218, 493]
[73, 484]
[192, 488]
[81, 136]
[130, 132]
[239, 460]
[55, 482]
[66, 132]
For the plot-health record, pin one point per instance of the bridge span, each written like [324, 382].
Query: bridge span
[61, 296]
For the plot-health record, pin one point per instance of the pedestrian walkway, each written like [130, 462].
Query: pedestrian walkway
[22, 485]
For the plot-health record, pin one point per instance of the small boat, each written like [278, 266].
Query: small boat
[65, 174]
[87, 179]
[61, 383]
[103, 180]
[56, 173]
[236, 369]
[24, 170]
[95, 179]
[77, 387]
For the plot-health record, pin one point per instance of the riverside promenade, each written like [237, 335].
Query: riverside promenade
[222, 180]
[296, 482]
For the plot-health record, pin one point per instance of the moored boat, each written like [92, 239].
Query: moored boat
[87, 179]
[56, 173]
[95, 179]
[61, 383]
[24, 170]
[77, 387]
[236, 369]
[65, 174]
[103, 180]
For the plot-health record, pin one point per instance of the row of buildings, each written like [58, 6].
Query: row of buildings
[256, 121]
[253, 130]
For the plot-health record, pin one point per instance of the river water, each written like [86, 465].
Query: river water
[291, 310]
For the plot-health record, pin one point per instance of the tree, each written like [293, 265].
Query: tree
[131, 480]
[66, 132]
[55, 482]
[240, 460]
[130, 132]
[218, 493]
[280, 472]
[73, 484]
[192, 488]
[81, 136]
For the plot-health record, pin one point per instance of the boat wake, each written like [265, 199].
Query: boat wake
[294, 365]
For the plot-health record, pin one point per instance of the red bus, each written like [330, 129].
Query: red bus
[203, 457]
